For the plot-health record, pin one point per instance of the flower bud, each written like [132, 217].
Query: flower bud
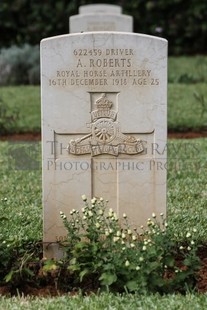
[127, 263]
[84, 198]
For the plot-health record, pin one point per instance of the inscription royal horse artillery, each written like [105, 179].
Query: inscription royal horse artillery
[105, 136]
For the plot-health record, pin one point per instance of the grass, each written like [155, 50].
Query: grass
[185, 110]
[20, 197]
[187, 186]
[26, 100]
[187, 70]
[106, 301]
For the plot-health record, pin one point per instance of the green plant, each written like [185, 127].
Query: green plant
[107, 251]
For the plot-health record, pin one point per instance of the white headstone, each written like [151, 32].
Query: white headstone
[100, 22]
[100, 17]
[104, 102]
[100, 8]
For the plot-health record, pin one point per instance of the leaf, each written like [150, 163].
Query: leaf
[73, 261]
[132, 285]
[73, 267]
[170, 261]
[83, 273]
[108, 278]
[81, 245]
[29, 272]
[49, 266]
[9, 276]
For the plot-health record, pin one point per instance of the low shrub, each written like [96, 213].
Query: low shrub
[20, 65]
[104, 250]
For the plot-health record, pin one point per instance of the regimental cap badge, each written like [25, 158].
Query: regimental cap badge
[103, 105]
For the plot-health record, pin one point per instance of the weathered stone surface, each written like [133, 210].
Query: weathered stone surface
[100, 8]
[100, 22]
[100, 17]
[104, 103]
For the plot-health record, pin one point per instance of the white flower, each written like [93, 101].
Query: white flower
[188, 235]
[150, 222]
[132, 245]
[142, 226]
[115, 239]
[123, 249]
[141, 259]
[188, 248]
[127, 263]
[100, 212]
[106, 233]
[84, 217]
[123, 235]
[134, 238]
[194, 230]
[124, 216]
[98, 225]
[192, 242]
[129, 232]
[166, 224]
[84, 198]
[181, 247]
[161, 214]
[83, 210]
[111, 213]
[153, 215]
[90, 213]
[110, 230]
[101, 199]
[137, 268]
[118, 233]
[93, 200]
[144, 248]
[61, 213]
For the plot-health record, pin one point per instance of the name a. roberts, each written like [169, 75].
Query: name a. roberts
[110, 63]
